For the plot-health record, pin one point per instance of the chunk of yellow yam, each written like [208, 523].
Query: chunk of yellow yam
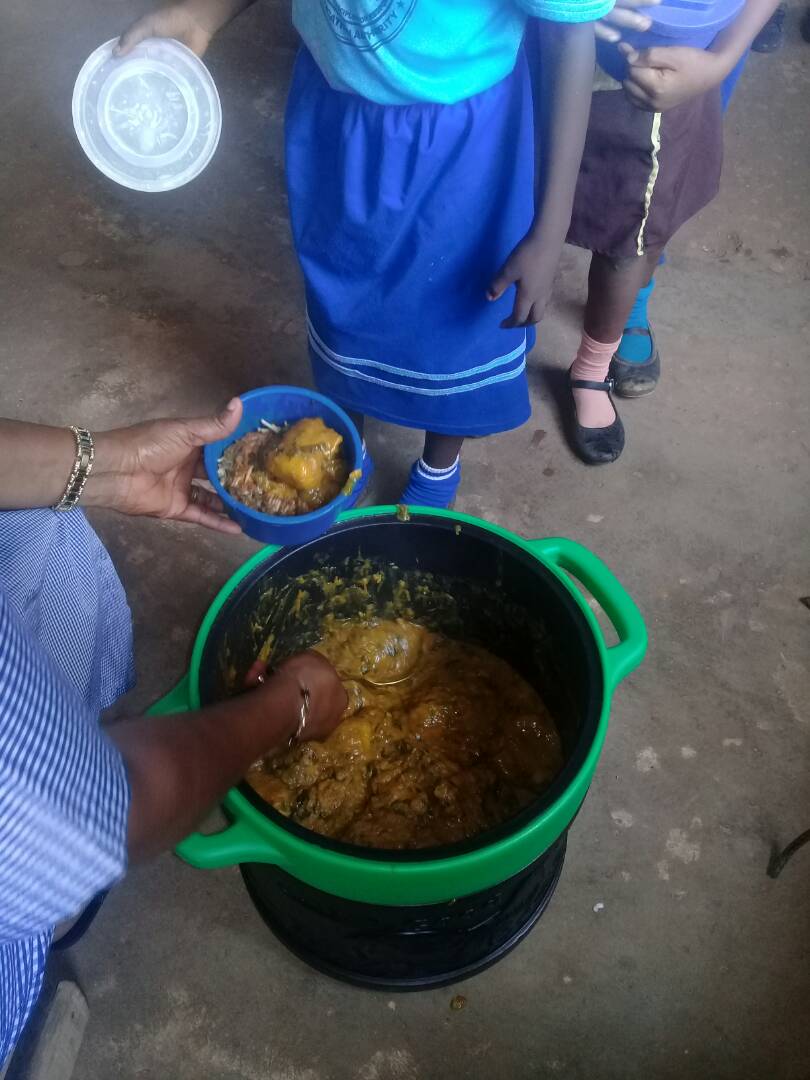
[311, 434]
[301, 471]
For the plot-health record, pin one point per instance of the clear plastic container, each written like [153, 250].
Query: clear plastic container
[150, 120]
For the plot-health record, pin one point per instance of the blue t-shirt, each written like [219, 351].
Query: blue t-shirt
[398, 52]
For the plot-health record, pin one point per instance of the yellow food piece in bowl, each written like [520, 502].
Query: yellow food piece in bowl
[301, 471]
[311, 434]
[286, 472]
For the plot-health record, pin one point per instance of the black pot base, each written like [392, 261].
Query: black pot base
[403, 948]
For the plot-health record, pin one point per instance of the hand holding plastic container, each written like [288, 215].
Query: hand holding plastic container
[695, 23]
[150, 120]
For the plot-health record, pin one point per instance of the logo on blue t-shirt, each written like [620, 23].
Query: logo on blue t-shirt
[367, 24]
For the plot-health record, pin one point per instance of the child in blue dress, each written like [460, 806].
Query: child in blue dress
[428, 245]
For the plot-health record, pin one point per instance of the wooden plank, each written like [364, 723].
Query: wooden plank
[56, 1050]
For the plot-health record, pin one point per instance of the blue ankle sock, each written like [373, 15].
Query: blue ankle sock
[637, 348]
[432, 487]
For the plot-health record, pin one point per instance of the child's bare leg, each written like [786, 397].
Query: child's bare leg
[612, 288]
[436, 475]
[441, 451]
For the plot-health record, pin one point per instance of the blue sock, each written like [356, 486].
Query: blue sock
[432, 487]
[637, 348]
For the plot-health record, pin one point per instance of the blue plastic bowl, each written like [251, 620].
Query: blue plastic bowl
[285, 405]
[695, 23]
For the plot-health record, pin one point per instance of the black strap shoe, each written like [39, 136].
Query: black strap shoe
[601, 445]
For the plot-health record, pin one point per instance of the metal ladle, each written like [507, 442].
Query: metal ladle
[377, 685]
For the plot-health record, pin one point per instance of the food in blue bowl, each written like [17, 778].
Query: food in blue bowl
[293, 464]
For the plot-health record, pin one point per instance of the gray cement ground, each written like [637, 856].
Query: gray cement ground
[117, 306]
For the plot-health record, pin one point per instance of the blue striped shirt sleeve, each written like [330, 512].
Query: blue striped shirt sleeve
[567, 11]
[64, 796]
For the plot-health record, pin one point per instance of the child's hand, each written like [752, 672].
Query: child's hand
[623, 16]
[660, 78]
[184, 22]
[531, 267]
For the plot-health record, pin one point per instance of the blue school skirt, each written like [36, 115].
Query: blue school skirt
[401, 217]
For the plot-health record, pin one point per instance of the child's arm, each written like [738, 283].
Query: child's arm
[194, 22]
[661, 78]
[561, 119]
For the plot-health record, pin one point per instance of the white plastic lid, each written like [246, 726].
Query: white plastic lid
[150, 120]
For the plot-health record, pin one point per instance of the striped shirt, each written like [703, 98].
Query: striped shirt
[65, 654]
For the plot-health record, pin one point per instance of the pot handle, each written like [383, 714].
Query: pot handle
[238, 843]
[177, 700]
[620, 608]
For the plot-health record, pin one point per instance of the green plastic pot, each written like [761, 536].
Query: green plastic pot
[257, 834]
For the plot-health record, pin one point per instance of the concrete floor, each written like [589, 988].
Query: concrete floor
[118, 306]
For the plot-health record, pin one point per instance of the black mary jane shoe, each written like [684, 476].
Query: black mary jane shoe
[636, 380]
[596, 445]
